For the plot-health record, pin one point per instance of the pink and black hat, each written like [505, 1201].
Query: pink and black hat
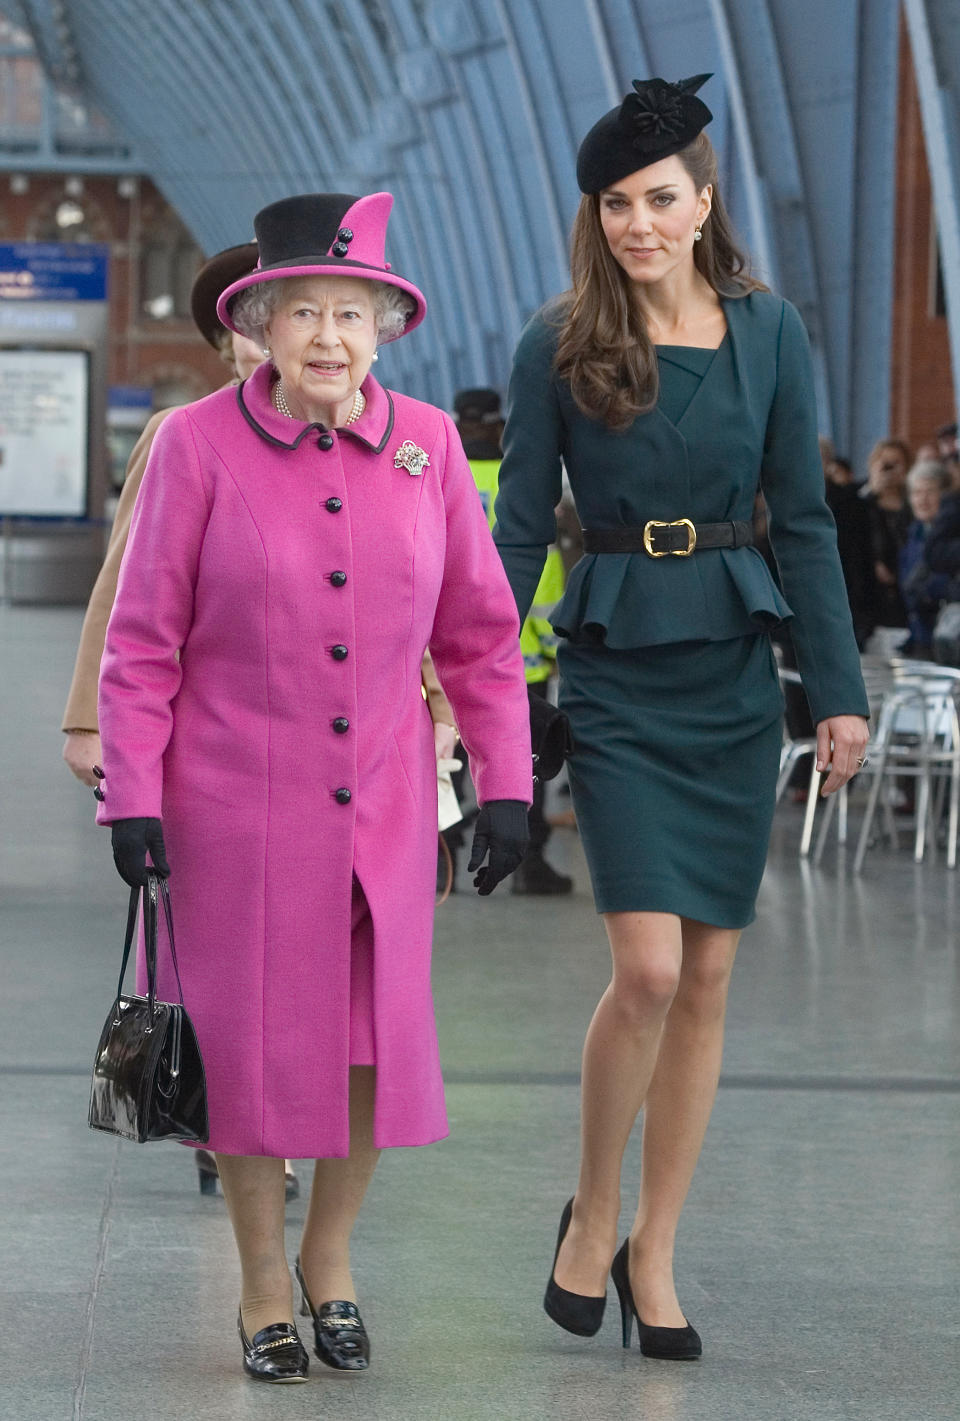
[324, 234]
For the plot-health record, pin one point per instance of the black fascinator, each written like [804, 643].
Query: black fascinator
[654, 121]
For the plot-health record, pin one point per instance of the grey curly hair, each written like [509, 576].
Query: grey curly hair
[930, 471]
[253, 308]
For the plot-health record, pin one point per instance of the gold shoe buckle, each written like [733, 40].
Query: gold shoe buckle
[669, 552]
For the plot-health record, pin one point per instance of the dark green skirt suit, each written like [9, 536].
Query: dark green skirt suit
[666, 666]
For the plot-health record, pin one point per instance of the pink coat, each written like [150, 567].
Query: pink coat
[233, 546]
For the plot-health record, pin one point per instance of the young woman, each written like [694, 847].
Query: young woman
[672, 386]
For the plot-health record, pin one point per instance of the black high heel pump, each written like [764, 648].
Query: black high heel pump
[577, 1312]
[674, 1344]
[340, 1336]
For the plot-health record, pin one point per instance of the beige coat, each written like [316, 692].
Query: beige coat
[80, 712]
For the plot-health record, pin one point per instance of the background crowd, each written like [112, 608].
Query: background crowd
[898, 533]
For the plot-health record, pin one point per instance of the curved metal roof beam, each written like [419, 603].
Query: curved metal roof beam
[207, 120]
[306, 23]
[872, 242]
[935, 40]
[620, 25]
[107, 54]
[553, 208]
[285, 95]
[438, 235]
[756, 199]
[749, 46]
[416, 357]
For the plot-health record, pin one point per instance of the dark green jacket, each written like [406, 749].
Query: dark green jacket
[751, 422]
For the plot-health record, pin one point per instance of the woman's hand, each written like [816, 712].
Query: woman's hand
[81, 753]
[841, 744]
[132, 840]
[445, 740]
[502, 829]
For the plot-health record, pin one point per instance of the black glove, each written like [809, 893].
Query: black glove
[550, 736]
[502, 829]
[131, 840]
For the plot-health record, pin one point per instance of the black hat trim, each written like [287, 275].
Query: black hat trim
[265, 434]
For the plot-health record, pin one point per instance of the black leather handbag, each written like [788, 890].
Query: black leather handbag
[148, 1080]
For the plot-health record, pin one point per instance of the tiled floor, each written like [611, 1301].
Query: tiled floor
[821, 1244]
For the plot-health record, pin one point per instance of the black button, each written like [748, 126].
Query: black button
[345, 234]
[339, 653]
[325, 442]
[338, 578]
[343, 796]
[334, 505]
[339, 249]
[341, 725]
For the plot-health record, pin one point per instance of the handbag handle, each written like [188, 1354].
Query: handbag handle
[155, 888]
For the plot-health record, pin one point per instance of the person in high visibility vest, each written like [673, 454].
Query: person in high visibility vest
[480, 422]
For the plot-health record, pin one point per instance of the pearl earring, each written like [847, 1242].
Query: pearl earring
[267, 352]
[375, 357]
[698, 235]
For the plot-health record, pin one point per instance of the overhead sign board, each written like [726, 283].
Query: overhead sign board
[53, 271]
[44, 432]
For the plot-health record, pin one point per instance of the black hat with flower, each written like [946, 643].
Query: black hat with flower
[653, 122]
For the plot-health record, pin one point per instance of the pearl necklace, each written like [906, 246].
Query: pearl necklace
[280, 400]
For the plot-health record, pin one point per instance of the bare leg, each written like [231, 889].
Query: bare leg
[339, 1186]
[676, 1113]
[254, 1191]
[619, 1057]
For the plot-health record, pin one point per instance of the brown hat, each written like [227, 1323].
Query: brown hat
[214, 277]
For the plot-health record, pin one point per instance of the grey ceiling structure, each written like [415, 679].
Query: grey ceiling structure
[470, 112]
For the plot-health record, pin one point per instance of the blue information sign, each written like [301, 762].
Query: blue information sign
[53, 271]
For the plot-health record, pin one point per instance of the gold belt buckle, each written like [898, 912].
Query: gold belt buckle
[669, 552]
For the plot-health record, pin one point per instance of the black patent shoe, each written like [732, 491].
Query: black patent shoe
[207, 1172]
[339, 1334]
[671, 1344]
[576, 1312]
[208, 1175]
[536, 876]
[276, 1353]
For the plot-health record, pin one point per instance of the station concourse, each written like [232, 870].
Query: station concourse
[821, 1245]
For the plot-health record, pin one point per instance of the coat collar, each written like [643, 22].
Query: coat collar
[254, 397]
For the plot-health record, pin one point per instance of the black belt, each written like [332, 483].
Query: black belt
[659, 540]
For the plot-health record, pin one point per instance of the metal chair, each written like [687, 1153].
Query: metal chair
[877, 679]
[793, 749]
[917, 737]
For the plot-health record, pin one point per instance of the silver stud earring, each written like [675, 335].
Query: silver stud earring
[698, 235]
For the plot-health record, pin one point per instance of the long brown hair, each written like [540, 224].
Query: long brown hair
[604, 350]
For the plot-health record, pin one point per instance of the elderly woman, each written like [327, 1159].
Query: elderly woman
[296, 543]
[923, 590]
[671, 386]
